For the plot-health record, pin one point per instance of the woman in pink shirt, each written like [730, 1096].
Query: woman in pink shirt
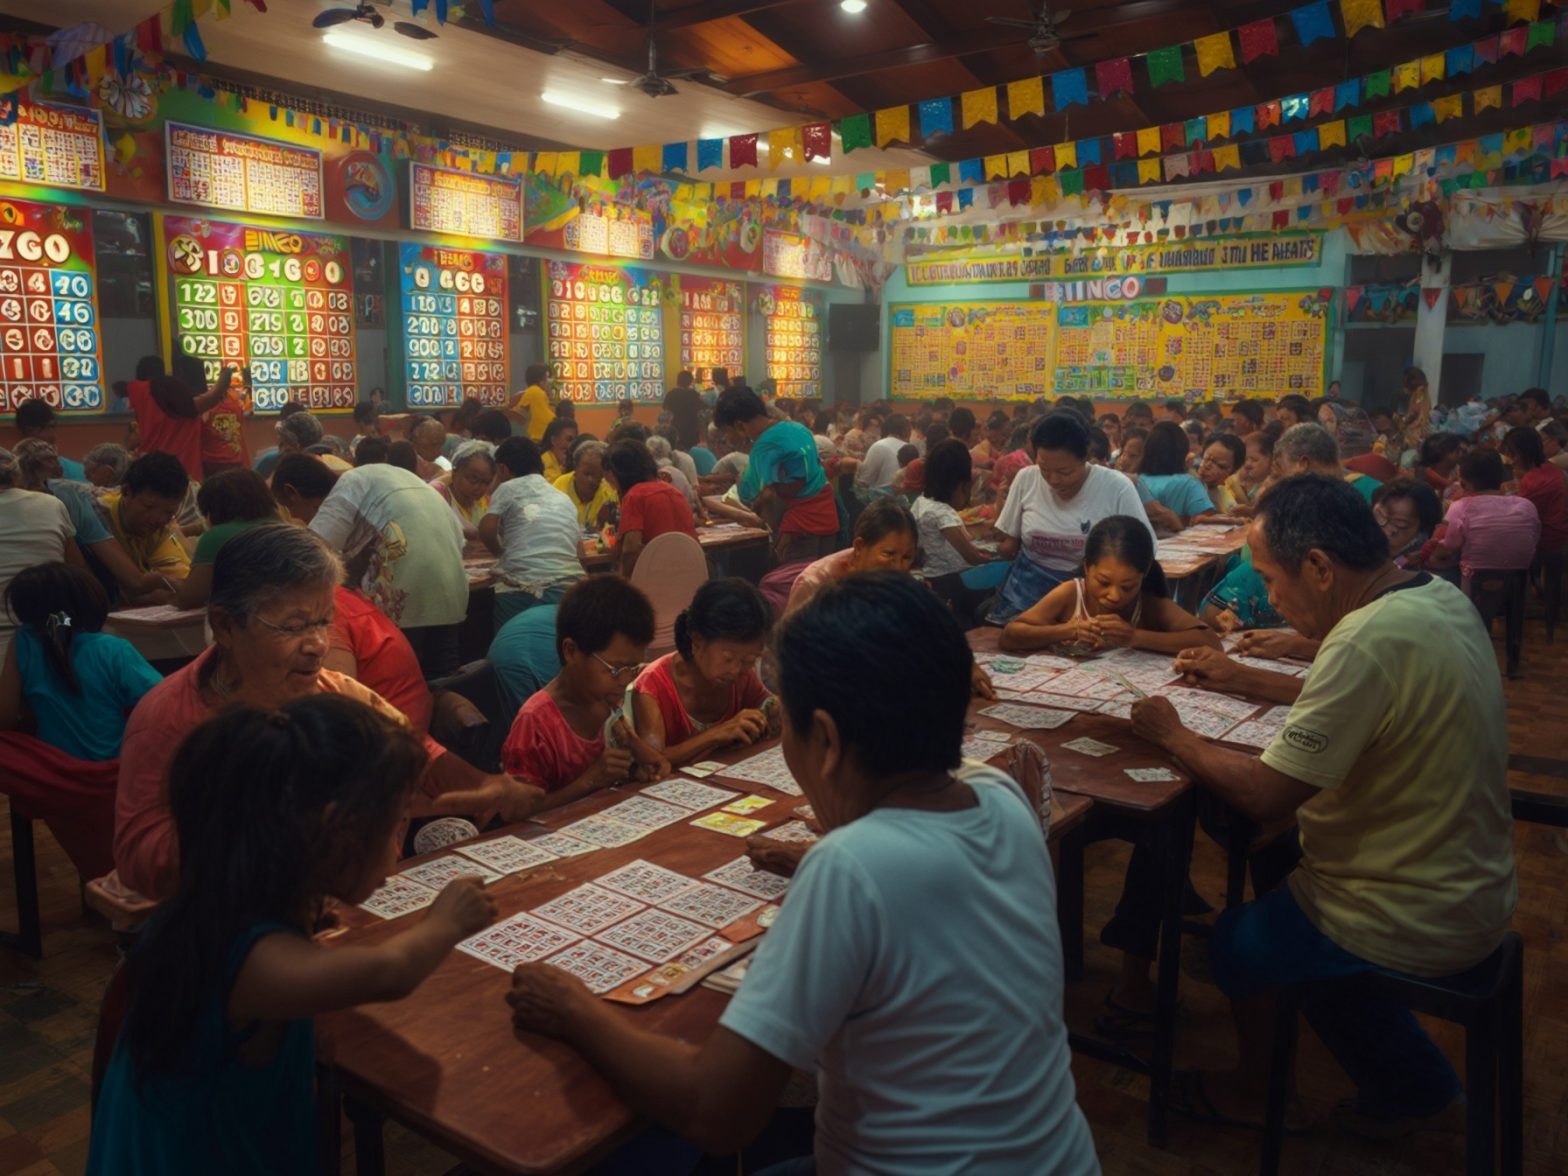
[1487, 530]
[886, 539]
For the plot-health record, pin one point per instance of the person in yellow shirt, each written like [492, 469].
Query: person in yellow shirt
[141, 515]
[1393, 762]
[556, 452]
[532, 406]
[587, 487]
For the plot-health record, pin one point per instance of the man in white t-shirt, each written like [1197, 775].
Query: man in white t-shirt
[880, 466]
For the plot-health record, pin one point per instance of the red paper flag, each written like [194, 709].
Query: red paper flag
[1398, 8]
[1202, 161]
[1386, 122]
[817, 140]
[1556, 82]
[1527, 90]
[1282, 147]
[619, 161]
[1512, 43]
[1267, 115]
[1126, 144]
[944, 202]
[1430, 294]
[743, 150]
[1345, 205]
[1486, 51]
[1113, 77]
[1097, 178]
[737, 189]
[1277, 190]
[1322, 102]
[1042, 161]
[1017, 192]
[149, 39]
[1173, 135]
[1259, 39]
[1282, 220]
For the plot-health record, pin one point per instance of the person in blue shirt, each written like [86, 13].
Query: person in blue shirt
[1163, 476]
[277, 812]
[34, 418]
[909, 966]
[524, 656]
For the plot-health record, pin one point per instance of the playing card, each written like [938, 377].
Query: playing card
[703, 952]
[713, 906]
[1120, 710]
[508, 855]
[604, 831]
[561, 844]
[600, 968]
[791, 831]
[653, 935]
[1237, 710]
[645, 882]
[741, 875]
[437, 872]
[704, 769]
[976, 748]
[747, 804]
[768, 769]
[1152, 775]
[729, 823]
[690, 795]
[1061, 701]
[1086, 682]
[645, 813]
[520, 939]
[1029, 718]
[398, 896]
[1261, 731]
[588, 908]
[1090, 747]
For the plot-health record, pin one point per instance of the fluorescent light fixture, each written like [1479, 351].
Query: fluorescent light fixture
[377, 49]
[853, 7]
[568, 102]
[616, 81]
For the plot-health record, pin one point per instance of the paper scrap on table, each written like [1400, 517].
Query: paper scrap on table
[747, 804]
[729, 823]
[437, 872]
[1152, 775]
[1029, 718]
[704, 769]
[689, 794]
[1092, 747]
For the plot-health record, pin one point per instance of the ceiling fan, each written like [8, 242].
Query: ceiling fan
[1044, 36]
[366, 14]
[653, 83]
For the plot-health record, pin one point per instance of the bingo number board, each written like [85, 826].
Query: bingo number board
[280, 301]
[794, 339]
[606, 332]
[711, 332]
[49, 342]
[454, 323]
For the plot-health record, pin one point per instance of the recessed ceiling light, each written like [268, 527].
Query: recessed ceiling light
[567, 102]
[377, 49]
[853, 7]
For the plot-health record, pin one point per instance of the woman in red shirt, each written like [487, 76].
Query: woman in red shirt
[223, 426]
[168, 412]
[1541, 483]
[368, 647]
[649, 506]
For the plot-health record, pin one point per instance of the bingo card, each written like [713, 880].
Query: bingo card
[454, 325]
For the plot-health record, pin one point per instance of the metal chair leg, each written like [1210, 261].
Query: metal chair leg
[28, 938]
[1281, 1066]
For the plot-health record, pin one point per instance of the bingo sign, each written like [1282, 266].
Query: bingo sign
[607, 332]
[711, 335]
[794, 339]
[49, 343]
[454, 323]
[277, 300]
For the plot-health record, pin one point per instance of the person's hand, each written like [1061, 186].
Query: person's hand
[499, 795]
[649, 771]
[1265, 643]
[1156, 720]
[613, 767]
[542, 998]
[746, 727]
[1086, 634]
[464, 907]
[1208, 668]
[777, 857]
[980, 683]
[1112, 629]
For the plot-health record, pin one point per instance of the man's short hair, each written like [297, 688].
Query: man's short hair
[159, 473]
[34, 414]
[305, 429]
[1538, 396]
[1312, 511]
[1308, 442]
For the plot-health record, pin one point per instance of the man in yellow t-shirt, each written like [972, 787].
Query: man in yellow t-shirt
[141, 515]
[1393, 761]
[532, 405]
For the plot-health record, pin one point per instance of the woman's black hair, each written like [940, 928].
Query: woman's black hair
[1429, 508]
[936, 433]
[149, 367]
[1438, 446]
[960, 422]
[307, 476]
[491, 425]
[371, 451]
[631, 464]
[884, 517]
[310, 792]
[536, 373]
[1264, 439]
[1165, 452]
[367, 412]
[899, 704]
[60, 601]
[1064, 431]
[724, 610]
[1250, 409]
[403, 455]
[235, 496]
[1483, 469]
[1099, 445]
[949, 466]
[738, 404]
[1127, 539]
[175, 397]
[1234, 445]
[556, 427]
[596, 608]
[158, 472]
[1524, 444]
[520, 456]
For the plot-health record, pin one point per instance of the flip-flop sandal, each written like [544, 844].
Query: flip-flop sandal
[1190, 1099]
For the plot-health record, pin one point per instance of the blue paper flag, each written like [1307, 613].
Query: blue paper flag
[1294, 106]
[1070, 87]
[1124, 175]
[1347, 94]
[1243, 121]
[936, 117]
[966, 196]
[1460, 60]
[193, 42]
[1313, 22]
[1306, 141]
[1464, 9]
[675, 157]
[1088, 152]
[1197, 130]
[1244, 195]
[1422, 115]
[971, 171]
[710, 153]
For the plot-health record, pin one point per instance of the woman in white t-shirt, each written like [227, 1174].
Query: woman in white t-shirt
[959, 572]
[1050, 509]
[909, 967]
[35, 528]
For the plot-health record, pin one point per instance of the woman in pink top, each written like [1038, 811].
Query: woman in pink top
[707, 695]
[1486, 529]
[886, 539]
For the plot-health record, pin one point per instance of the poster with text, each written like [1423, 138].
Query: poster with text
[55, 145]
[712, 334]
[984, 349]
[50, 348]
[605, 327]
[445, 201]
[243, 173]
[793, 318]
[789, 255]
[277, 300]
[454, 325]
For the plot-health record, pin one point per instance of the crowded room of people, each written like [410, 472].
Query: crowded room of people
[783, 588]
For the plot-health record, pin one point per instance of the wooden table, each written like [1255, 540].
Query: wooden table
[714, 540]
[1200, 553]
[445, 1062]
[161, 632]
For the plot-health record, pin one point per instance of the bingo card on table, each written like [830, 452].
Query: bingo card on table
[242, 173]
[454, 325]
[711, 334]
[275, 299]
[49, 342]
[606, 332]
[55, 145]
[794, 334]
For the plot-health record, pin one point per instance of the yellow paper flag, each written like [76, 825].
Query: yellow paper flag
[1432, 68]
[1227, 157]
[1331, 135]
[1361, 14]
[843, 185]
[1518, 10]
[1407, 76]
[647, 158]
[1025, 97]
[1149, 170]
[996, 167]
[1066, 156]
[1050, 191]
[783, 146]
[1446, 108]
[1518, 140]
[1018, 163]
[896, 181]
[1037, 189]
[1214, 53]
[753, 188]
[770, 189]
[978, 106]
[1489, 98]
[567, 163]
[1403, 164]
[1218, 125]
[892, 123]
[1149, 140]
[544, 163]
[820, 187]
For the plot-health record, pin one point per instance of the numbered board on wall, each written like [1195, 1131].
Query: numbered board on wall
[712, 331]
[50, 347]
[794, 339]
[279, 301]
[454, 325]
[605, 326]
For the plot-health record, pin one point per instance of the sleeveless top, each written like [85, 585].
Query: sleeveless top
[1081, 613]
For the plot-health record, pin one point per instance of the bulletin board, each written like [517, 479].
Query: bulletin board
[1191, 347]
[454, 325]
[713, 312]
[793, 320]
[605, 329]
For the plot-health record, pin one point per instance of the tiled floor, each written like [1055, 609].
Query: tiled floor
[47, 1014]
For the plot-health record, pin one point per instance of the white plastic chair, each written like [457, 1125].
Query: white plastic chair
[670, 570]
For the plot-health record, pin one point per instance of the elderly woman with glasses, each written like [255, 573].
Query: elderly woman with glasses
[271, 612]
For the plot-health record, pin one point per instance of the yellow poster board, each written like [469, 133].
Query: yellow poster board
[1194, 347]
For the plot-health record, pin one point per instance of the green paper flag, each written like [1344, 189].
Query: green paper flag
[855, 132]
[941, 173]
[1377, 84]
[1072, 181]
[1358, 125]
[1165, 66]
[591, 163]
[1542, 32]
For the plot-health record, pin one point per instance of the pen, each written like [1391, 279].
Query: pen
[1123, 683]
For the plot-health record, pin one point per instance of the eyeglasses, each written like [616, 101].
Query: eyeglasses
[297, 632]
[620, 673]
